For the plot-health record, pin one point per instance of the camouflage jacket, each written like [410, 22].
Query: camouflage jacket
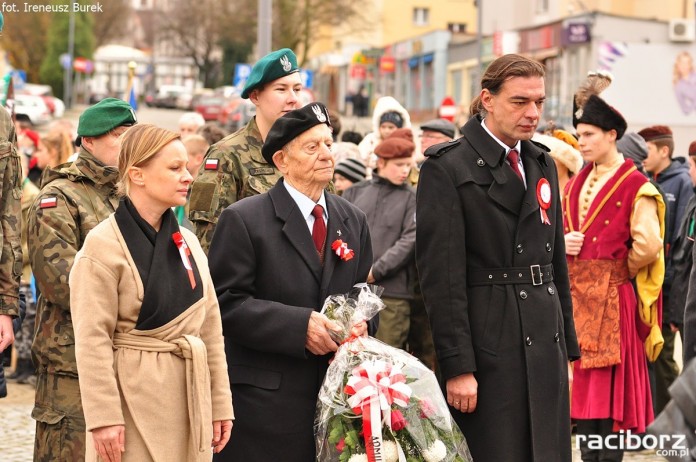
[232, 170]
[74, 198]
[10, 217]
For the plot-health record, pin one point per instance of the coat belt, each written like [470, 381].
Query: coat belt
[533, 274]
[192, 349]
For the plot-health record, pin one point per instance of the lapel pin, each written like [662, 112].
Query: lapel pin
[338, 231]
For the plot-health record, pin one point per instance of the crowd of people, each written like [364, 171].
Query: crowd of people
[171, 283]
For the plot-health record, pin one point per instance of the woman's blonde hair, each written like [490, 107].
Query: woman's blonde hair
[140, 144]
[61, 144]
[676, 73]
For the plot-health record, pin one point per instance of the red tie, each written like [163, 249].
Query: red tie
[319, 228]
[513, 158]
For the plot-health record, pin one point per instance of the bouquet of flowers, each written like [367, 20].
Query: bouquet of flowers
[379, 403]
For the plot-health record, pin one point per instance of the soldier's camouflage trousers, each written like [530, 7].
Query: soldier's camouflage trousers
[60, 422]
[25, 335]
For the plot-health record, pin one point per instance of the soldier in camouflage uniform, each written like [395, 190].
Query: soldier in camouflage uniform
[74, 198]
[234, 167]
[10, 226]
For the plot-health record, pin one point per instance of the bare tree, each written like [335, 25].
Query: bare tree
[112, 22]
[198, 28]
[297, 23]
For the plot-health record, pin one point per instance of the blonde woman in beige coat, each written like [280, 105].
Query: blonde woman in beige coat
[148, 335]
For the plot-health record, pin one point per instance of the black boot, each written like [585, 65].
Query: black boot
[24, 366]
[27, 373]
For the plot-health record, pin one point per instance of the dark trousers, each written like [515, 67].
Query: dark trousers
[587, 433]
[663, 371]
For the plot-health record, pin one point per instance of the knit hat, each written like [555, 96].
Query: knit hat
[292, 125]
[634, 147]
[589, 108]
[561, 152]
[395, 148]
[403, 133]
[271, 67]
[443, 126]
[393, 117]
[104, 116]
[351, 169]
[656, 132]
[692, 148]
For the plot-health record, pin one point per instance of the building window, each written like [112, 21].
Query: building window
[421, 16]
[542, 6]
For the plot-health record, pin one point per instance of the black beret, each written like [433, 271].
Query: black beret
[291, 125]
[443, 126]
[600, 114]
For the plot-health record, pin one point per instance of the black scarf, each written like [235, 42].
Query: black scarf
[168, 292]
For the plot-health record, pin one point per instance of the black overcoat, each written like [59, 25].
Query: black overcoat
[268, 278]
[473, 214]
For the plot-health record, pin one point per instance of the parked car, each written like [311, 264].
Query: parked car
[187, 101]
[238, 114]
[55, 105]
[32, 109]
[209, 107]
[167, 95]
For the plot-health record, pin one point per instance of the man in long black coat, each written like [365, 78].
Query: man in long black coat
[491, 258]
[271, 281]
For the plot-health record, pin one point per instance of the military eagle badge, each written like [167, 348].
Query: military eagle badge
[285, 62]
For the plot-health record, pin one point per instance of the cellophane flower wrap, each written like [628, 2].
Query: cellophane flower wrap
[379, 403]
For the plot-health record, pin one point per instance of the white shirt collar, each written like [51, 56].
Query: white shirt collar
[306, 204]
[518, 146]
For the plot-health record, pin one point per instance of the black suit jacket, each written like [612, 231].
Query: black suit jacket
[269, 279]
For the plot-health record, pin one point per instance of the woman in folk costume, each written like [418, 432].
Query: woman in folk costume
[148, 335]
[614, 224]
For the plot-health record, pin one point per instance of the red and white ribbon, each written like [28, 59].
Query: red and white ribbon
[342, 250]
[544, 198]
[373, 387]
[185, 253]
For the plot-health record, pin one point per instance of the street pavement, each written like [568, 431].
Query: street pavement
[17, 429]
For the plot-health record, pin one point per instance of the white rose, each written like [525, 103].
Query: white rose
[390, 451]
[436, 452]
[358, 458]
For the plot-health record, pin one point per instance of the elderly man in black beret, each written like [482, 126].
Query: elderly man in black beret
[272, 265]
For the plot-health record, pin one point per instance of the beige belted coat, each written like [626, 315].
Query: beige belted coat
[166, 385]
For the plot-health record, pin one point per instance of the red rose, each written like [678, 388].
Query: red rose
[398, 420]
[341, 444]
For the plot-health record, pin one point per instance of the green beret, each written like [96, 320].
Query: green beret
[104, 116]
[274, 65]
[292, 125]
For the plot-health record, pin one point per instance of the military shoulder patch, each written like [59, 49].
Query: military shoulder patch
[211, 164]
[48, 202]
[441, 148]
[261, 171]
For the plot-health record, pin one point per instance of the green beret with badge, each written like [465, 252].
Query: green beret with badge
[104, 116]
[273, 66]
[292, 125]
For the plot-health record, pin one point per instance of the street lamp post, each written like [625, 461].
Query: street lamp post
[263, 35]
[68, 75]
